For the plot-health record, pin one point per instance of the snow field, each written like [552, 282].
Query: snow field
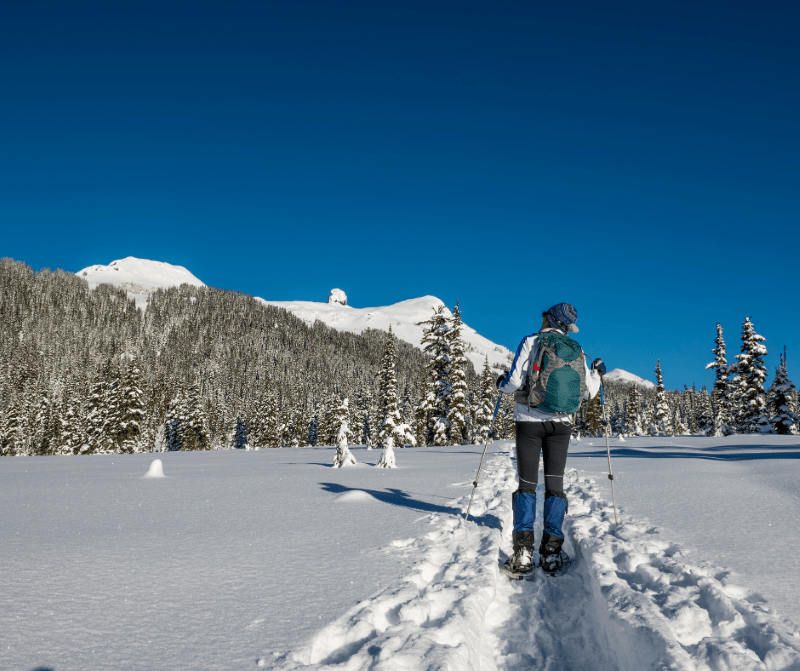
[630, 601]
[255, 559]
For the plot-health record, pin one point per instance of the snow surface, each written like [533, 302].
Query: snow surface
[139, 277]
[620, 375]
[403, 318]
[273, 558]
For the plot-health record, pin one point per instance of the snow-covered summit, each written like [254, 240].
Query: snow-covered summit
[403, 318]
[139, 277]
[338, 296]
[620, 375]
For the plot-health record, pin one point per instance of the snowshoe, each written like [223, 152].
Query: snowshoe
[519, 565]
[555, 564]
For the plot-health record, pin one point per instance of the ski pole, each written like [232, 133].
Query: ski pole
[608, 452]
[478, 474]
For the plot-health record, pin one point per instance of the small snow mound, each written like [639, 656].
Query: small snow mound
[338, 296]
[156, 470]
[354, 496]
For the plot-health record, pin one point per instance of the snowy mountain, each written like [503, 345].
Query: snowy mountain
[402, 317]
[139, 277]
[620, 375]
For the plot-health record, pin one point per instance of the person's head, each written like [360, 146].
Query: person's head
[562, 316]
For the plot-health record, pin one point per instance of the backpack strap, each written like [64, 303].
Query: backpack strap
[535, 367]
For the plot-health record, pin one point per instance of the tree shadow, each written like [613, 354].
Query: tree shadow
[397, 497]
[713, 454]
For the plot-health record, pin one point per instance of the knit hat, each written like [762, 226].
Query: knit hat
[562, 316]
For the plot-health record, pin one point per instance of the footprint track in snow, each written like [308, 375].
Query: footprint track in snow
[630, 603]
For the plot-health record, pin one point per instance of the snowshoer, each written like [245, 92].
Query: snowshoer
[549, 377]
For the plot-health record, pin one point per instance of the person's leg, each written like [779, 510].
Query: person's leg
[528, 447]
[555, 445]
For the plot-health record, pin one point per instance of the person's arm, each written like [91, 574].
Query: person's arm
[593, 380]
[516, 377]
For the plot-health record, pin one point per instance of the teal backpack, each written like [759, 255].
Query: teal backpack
[557, 378]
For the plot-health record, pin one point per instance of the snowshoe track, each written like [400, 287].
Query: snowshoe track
[629, 603]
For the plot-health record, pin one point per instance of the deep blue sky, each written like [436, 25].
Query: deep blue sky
[637, 159]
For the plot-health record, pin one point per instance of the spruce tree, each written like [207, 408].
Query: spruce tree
[751, 371]
[457, 412]
[343, 456]
[240, 434]
[486, 402]
[633, 418]
[663, 415]
[131, 411]
[391, 429]
[721, 392]
[593, 420]
[435, 402]
[779, 401]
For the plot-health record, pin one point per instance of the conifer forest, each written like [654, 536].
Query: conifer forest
[86, 372]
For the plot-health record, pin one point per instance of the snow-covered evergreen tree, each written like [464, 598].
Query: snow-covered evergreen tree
[343, 456]
[593, 420]
[779, 401]
[486, 401]
[130, 412]
[721, 392]
[751, 373]
[391, 430]
[663, 414]
[633, 418]
[240, 434]
[457, 411]
[436, 399]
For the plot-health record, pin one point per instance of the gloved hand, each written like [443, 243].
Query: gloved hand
[500, 380]
[599, 366]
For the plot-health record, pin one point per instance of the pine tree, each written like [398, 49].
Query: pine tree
[593, 421]
[633, 418]
[721, 392]
[391, 427]
[751, 372]
[457, 412]
[131, 411]
[779, 401]
[240, 434]
[343, 456]
[663, 414]
[705, 413]
[435, 403]
[486, 401]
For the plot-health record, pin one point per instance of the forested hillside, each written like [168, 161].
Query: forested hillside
[85, 371]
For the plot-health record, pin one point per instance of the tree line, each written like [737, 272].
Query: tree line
[87, 372]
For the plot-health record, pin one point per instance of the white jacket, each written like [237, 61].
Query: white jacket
[518, 375]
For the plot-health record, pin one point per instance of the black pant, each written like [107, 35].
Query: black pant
[550, 438]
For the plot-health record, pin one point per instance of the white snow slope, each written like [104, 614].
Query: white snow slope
[624, 376]
[139, 277]
[271, 558]
[403, 318]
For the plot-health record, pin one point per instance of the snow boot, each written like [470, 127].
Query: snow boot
[552, 558]
[520, 563]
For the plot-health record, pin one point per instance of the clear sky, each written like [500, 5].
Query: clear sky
[637, 159]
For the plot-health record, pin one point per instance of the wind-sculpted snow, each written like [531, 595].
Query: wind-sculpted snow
[630, 602]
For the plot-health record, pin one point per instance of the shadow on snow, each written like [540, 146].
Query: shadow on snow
[397, 497]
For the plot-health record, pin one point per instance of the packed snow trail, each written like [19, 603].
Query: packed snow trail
[629, 602]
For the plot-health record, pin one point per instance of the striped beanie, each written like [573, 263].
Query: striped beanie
[563, 316]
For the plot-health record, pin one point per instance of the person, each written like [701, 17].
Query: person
[551, 364]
